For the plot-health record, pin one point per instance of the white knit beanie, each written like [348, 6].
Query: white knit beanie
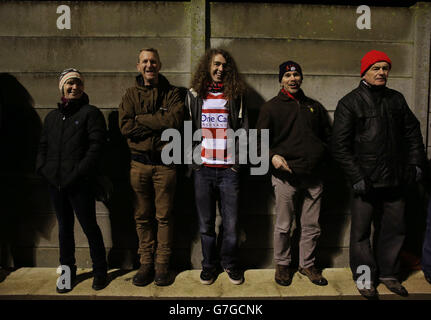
[69, 74]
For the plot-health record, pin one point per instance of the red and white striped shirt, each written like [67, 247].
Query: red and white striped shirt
[214, 124]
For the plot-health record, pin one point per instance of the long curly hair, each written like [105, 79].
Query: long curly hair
[234, 85]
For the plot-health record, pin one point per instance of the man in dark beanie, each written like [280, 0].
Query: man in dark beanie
[378, 143]
[69, 153]
[299, 135]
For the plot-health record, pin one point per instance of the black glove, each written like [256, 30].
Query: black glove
[360, 188]
[412, 174]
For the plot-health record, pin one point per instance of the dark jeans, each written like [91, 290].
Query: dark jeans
[78, 198]
[383, 257]
[212, 184]
[426, 251]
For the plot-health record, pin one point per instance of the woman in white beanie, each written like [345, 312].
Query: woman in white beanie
[70, 148]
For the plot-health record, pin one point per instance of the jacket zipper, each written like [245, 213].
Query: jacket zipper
[59, 156]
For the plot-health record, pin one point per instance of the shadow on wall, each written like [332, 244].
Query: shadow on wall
[20, 128]
[186, 239]
[116, 165]
[256, 203]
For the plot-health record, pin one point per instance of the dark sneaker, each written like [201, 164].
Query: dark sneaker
[208, 276]
[396, 287]
[100, 281]
[283, 275]
[162, 277]
[428, 277]
[314, 274]
[235, 275]
[144, 276]
[62, 287]
[370, 294]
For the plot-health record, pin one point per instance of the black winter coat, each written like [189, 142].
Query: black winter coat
[376, 136]
[71, 144]
[299, 131]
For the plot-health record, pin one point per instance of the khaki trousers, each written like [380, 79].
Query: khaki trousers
[154, 188]
[285, 211]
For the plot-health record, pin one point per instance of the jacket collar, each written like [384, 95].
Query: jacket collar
[300, 96]
[69, 107]
[163, 82]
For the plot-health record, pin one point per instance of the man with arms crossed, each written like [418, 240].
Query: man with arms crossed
[147, 109]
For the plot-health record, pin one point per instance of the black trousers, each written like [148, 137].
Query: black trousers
[79, 199]
[384, 207]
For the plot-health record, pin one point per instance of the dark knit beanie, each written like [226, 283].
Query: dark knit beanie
[288, 66]
[371, 58]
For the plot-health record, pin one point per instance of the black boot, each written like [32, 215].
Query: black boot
[100, 280]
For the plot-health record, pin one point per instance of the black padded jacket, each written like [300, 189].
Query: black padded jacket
[71, 144]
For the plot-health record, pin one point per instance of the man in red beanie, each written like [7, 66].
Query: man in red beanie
[378, 143]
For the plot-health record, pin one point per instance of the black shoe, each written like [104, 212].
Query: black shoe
[283, 275]
[396, 287]
[63, 286]
[162, 277]
[208, 276]
[144, 276]
[100, 281]
[235, 275]
[428, 277]
[370, 294]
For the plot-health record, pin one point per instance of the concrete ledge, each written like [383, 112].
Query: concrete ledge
[39, 284]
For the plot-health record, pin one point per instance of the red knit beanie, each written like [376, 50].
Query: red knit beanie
[371, 58]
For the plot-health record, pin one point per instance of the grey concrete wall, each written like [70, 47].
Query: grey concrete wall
[103, 43]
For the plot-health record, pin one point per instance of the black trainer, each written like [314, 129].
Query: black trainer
[235, 275]
[208, 276]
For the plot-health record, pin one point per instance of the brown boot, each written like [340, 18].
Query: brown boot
[144, 276]
[314, 275]
[283, 275]
[162, 277]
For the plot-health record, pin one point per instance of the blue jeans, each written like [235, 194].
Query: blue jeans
[212, 184]
[426, 251]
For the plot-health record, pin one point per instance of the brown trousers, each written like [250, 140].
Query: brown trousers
[154, 187]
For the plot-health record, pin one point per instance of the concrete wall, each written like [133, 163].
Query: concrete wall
[103, 43]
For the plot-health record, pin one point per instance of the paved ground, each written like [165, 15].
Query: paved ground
[39, 284]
